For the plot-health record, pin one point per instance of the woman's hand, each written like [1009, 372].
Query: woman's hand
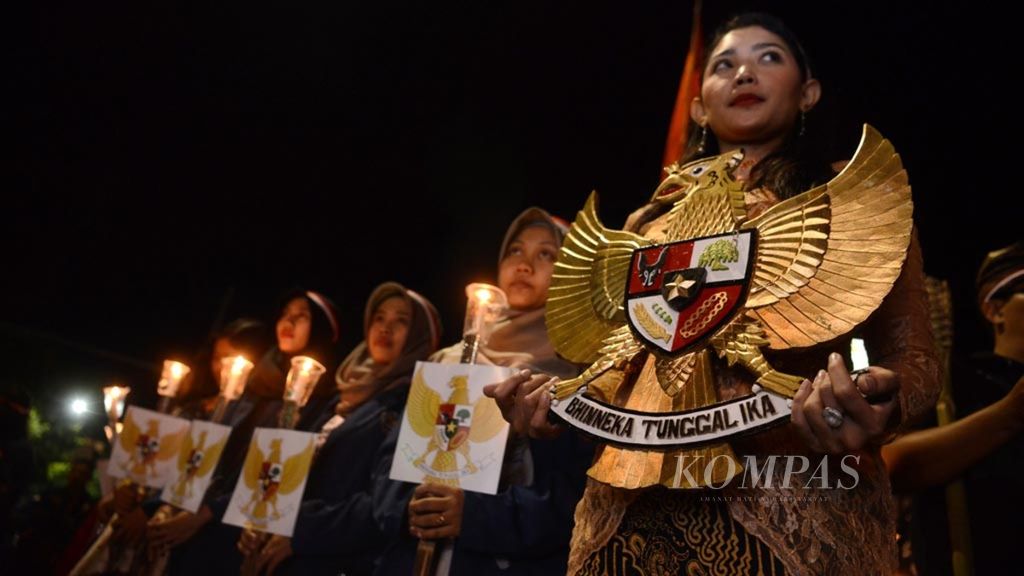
[126, 498]
[833, 415]
[105, 509]
[435, 511]
[130, 528]
[524, 400]
[277, 550]
[166, 533]
[249, 542]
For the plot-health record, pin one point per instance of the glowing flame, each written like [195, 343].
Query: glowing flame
[483, 295]
[113, 399]
[238, 365]
[301, 379]
[114, 392]
[233, 372]
[177, 369]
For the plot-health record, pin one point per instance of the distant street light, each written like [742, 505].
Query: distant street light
[79, 406]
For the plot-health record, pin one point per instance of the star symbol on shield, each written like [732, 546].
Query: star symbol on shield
[679, 288]
[682, 286]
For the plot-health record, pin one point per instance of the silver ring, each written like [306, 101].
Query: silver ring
[833, 417]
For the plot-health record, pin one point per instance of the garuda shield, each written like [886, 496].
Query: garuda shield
[646, 312]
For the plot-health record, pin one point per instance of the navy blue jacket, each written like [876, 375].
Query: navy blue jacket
[522, 530]
[337, 531]
[212, 549]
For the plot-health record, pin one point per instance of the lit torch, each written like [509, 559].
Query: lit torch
[113, 404]
[234, 373]
[170, 380]
[485, 306]
[302, 378]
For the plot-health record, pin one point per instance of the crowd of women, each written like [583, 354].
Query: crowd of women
[547, 518]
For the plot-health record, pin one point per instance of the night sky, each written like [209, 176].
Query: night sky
[179, 164]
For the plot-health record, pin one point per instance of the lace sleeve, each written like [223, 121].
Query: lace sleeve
[898, 336]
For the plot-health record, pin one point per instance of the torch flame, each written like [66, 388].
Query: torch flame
[177, 369]
[238, 365]
[483, 295]
[113, 398]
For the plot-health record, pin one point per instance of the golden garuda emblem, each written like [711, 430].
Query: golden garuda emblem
[452, 426]
[195, 460]
[645, 312]
[147, 449]
[268, 476]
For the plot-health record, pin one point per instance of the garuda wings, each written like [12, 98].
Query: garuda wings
[705, 277]
[267, 477]
[452, 426]
[146, 448]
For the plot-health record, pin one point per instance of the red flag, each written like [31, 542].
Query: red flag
[689, 88]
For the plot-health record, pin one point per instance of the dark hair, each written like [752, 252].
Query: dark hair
[1000, 275]
[798, 164]
[770, 23]
[268, 378]
[323, 333]
[251, 337]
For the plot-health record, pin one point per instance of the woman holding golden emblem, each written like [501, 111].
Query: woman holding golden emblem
[830, 254]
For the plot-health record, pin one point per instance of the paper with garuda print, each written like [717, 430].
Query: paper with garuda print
[269, 490]
[196, 460]
[648, 312]
[451, 433]
[144, 450]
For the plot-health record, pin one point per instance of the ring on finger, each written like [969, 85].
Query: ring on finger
[833, 416]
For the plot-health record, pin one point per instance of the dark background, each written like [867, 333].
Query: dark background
[181, 163]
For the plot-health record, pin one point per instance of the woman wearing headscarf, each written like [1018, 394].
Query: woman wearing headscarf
[335, 531]
[525, 527]
[306, 325]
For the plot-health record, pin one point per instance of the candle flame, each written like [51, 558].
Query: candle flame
[483, 295]
[113, 399]
[177, 369]
[238, 365]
